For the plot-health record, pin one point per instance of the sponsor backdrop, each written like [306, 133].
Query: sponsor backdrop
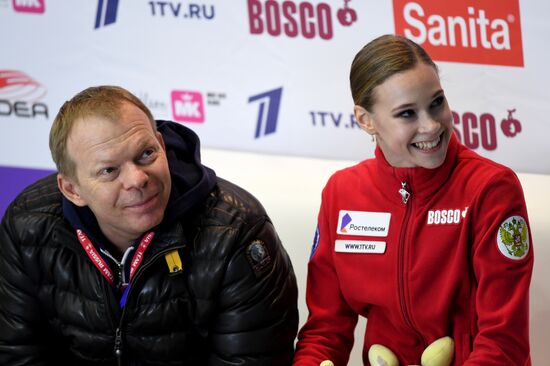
[272, 76]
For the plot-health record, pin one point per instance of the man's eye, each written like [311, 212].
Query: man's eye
[148, 153]
[107, 171]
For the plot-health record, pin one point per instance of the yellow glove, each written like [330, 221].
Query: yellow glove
[382, 356]
[439, 353]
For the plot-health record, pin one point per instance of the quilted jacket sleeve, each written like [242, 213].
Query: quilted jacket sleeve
[257, 316]
[22, 340]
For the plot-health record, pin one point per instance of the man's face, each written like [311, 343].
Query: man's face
[122, 173]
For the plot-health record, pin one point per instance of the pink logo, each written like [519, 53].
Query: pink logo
[16, 85]
[187, 106]
[29, 6]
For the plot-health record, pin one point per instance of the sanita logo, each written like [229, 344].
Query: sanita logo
[106, 12]
[481, 131]
[442, 217]
[20, 95]
[29, 6]
[297, 18]
[268, 112]
[187, 106]
[481, 32]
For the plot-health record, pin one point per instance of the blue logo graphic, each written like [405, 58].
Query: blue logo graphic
[106, 13]
[345, 221]
[268, 113]
[316, 239]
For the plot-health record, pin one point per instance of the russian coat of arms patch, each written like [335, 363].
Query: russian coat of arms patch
[513, 238]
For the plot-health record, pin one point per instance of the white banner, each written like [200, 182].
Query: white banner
[272, 76]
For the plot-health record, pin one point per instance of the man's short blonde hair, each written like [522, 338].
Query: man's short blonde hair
[104, 101]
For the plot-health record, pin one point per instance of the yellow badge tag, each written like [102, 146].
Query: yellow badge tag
[173, 261]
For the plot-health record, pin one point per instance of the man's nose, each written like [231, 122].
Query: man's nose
[134, 177]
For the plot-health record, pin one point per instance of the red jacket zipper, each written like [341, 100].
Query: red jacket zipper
[405, 193]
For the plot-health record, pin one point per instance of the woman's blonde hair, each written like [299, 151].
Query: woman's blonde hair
[378, 60]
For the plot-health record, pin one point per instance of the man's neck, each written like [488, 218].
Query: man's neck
[119, 242]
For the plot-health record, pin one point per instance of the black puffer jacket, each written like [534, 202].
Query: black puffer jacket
[229, 306]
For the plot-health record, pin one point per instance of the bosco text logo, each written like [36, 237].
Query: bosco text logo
[480, 32]
[187, 106]
[481, 131]
[297, 18]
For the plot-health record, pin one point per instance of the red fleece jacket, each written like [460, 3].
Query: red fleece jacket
[455, 259]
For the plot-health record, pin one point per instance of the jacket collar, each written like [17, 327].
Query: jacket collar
[420, 182]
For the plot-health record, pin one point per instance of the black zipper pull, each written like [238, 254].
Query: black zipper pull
[118, 346]
[404, 193]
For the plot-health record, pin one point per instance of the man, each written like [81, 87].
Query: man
[135, 253]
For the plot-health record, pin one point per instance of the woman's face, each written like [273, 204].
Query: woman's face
[410, 118]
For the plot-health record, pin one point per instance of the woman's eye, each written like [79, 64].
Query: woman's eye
[438, 101]
[406, 113]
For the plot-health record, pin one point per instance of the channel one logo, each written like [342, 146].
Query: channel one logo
[478, 32]
[29, 6]
[106, 13]
[187, 106]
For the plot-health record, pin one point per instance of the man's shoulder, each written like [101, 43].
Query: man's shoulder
[237, 199]
[230, 201]
[43, 196]
[35, 211]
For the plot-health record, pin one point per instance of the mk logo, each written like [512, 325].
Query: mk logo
[29, 6]
[187, 106]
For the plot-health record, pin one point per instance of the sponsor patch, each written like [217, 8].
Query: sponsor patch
[513, 238]
[315, 244]
[363, 223]
[443, 217]
[258, 257]
[360, 246]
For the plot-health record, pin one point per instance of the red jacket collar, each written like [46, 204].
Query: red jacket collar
[421, 182]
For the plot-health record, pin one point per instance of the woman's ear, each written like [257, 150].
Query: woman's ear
[364, 119]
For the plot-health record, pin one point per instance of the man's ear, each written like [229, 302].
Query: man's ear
[161, 140]
[70, 189]
[364, 119]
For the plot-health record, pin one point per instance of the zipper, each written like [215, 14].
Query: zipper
[118, 346]
[405, 194]
[140, 270]
[122, 278]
